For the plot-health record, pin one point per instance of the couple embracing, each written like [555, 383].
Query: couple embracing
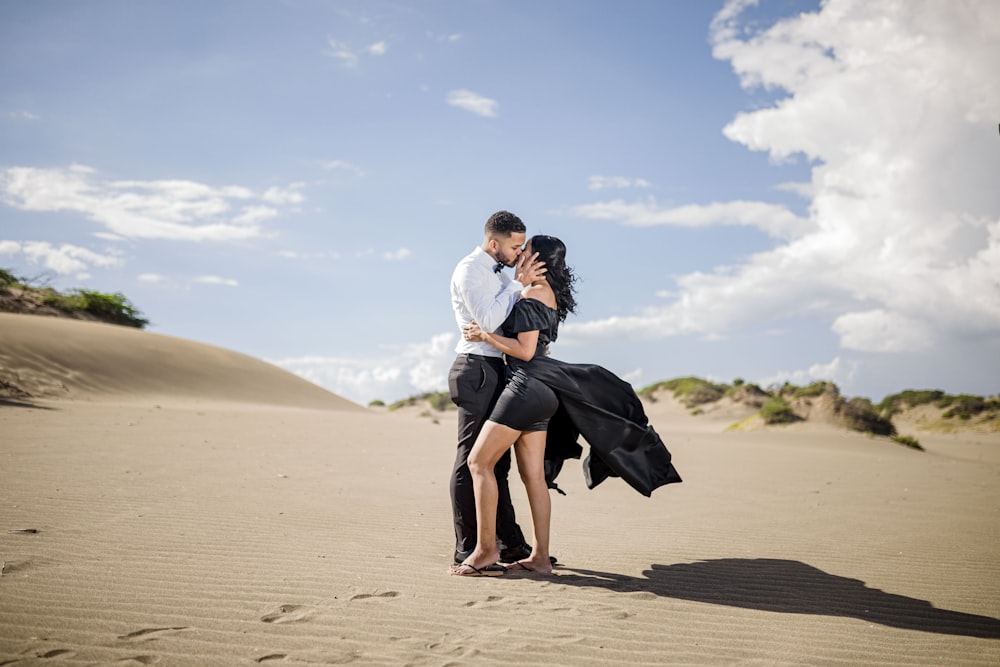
[533, 402]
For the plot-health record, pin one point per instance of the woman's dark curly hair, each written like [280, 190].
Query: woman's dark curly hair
[560, 277]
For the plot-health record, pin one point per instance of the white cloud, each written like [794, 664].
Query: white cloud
[150, 278]
[341, 52]
[774, 219]
[835, 371]
[895, 105]
[397, 255]
[405, 371]
[882, 331]
[289, 195]
[217, 280]
[23, 115]
[615, 182]
[473, 103]
[378, 48]
[252, 215]
[633, 377]
[164, 209]
[64, 259]
[343, 165]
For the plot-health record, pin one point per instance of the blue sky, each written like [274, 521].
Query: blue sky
[777, 191]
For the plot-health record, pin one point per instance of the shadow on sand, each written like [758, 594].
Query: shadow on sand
[790, 587]
[22, 403]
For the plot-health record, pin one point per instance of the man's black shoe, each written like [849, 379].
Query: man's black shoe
[514, 554]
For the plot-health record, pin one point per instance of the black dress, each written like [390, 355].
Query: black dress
[592, 402]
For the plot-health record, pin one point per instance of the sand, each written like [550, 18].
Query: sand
[164, 502]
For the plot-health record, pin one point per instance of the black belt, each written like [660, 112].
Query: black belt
[481, 357]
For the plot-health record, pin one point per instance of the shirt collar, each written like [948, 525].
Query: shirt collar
[483, 258]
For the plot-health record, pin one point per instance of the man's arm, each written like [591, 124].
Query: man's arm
[488, 308]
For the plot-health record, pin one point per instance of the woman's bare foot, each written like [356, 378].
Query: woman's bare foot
[532, 565]
[477, 561]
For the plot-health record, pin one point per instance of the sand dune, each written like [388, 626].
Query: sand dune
[53, 357]
[182, 505]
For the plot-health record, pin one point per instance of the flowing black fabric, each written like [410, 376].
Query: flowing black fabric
[594, 403]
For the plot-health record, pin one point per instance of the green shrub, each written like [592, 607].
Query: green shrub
[895, 403]
[438, 400]
[8, 279]
[812, 390]
[859, 414]
[964, 406]
[114, 308]
[778, 411]
[691, 391]
[907, 441]
[377, 403]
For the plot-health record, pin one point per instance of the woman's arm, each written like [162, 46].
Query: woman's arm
[523, 347]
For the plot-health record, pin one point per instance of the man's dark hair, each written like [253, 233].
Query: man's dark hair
[504, 223]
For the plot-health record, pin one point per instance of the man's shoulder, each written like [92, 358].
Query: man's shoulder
[466, 265]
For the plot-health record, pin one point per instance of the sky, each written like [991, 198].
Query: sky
[776, 191]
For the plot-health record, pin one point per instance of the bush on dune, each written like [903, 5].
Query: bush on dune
[809, 391]
[690, 390]
[910, 398]
[962, 406]
[778, 411]
[860, 415]
[438, 400]
[113, 308]
[18, 295]
[966, 406]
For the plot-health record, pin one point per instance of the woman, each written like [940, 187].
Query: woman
[589, 399]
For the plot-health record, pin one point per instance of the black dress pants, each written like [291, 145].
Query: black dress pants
[475, 383]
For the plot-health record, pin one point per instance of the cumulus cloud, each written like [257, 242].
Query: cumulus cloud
[473, 103]
[894, 105]
[162, 209]
[348, 56]
[343, 165]
[23, 115]
[615, 182]
[835, 370]
[774, 219]
[63, 259]
[341, 51]
[217, 280]
[404, 371]
[397, 255]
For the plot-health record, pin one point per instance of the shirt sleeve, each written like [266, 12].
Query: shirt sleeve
[488, 306]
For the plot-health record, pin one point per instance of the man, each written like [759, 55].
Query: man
[482, 292]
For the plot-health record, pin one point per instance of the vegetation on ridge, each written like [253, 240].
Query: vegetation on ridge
[18, 295]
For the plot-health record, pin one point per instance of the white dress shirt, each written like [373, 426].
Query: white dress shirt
[477, 293]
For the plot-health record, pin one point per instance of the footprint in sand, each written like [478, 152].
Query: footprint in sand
[141, 659]
[286, 613]
[57, 653]
[366, 596]
[272, 656]
[149, 634]
[488, 602]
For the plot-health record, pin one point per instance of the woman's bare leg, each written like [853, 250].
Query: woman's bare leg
[493, 441]
[530, 450]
